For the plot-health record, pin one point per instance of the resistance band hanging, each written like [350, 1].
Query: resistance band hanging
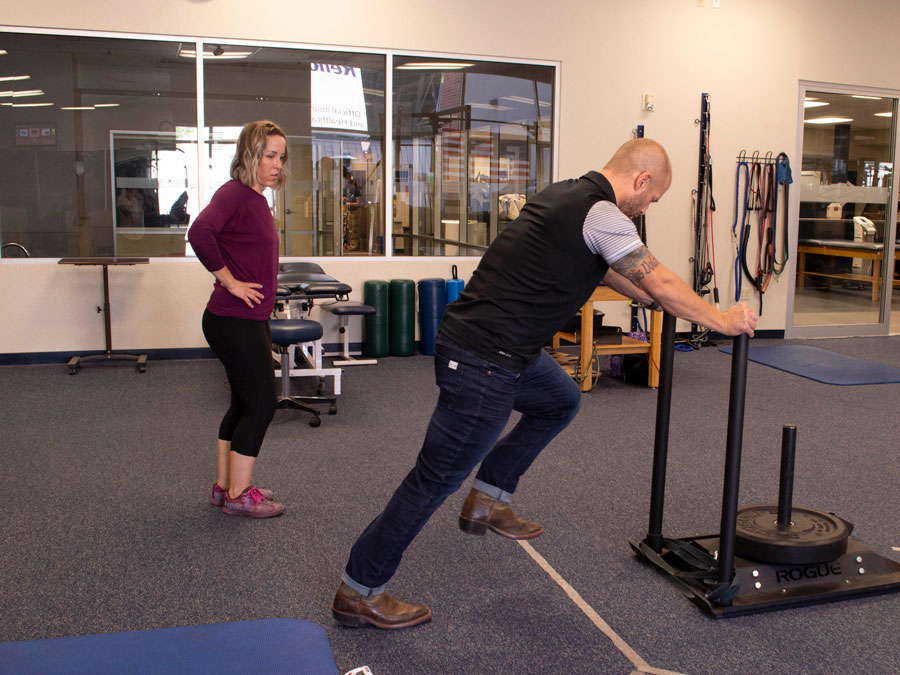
[640, 224]
[784, 179]
[758, 203]
[704, 207]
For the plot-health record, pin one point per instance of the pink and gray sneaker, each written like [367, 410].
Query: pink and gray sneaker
[251, 502]
[218, 495]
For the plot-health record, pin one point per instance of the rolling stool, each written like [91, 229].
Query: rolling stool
[287, 332]
[342, 310]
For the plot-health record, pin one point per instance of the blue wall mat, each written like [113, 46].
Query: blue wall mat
[822, 365]
[270, 646]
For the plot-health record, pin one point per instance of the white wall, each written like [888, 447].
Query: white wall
[749, 55]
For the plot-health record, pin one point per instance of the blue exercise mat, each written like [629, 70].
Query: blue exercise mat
[822, 365]
[270, 646]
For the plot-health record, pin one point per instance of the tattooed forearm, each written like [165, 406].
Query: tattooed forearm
[636, 265]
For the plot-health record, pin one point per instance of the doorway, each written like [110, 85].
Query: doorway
[845, 236]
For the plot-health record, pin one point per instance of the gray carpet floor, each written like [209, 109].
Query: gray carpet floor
[107, 526]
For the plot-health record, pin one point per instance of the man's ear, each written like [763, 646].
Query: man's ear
[642, 181]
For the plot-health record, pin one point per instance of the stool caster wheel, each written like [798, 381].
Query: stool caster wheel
[72, 370]
[332, 409]
[142, 369]
[315, 421]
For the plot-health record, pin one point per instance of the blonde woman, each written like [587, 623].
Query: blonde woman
[235, 239]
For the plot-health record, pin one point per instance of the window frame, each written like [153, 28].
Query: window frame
[389, 56]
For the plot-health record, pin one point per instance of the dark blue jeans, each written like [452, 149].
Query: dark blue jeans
[475, 403]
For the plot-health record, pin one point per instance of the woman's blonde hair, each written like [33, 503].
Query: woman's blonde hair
[250, 147]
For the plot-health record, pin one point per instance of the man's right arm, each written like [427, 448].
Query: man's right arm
[643, 269]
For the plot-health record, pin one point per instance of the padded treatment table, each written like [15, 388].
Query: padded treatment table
[843, 248]
[308, 280]
[270, 646]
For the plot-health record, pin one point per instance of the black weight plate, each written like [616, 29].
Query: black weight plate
[812, 537]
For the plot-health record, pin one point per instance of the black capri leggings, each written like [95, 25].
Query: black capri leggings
[245, 348]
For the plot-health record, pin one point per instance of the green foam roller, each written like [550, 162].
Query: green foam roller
[403, 317]
[377, 326]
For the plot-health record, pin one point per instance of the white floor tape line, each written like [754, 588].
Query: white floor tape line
[620, 644]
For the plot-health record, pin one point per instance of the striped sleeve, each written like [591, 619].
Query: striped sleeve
[609, 233]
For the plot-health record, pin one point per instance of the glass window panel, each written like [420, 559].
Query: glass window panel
[91, 165]
[331, 107]
[472, 142]
[845, 209]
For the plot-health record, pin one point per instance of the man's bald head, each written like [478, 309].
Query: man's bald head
[639, 155]
[640, 173]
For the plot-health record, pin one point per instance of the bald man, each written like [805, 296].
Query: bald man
[489, 360]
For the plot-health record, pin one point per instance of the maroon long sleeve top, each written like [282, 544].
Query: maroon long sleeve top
[236, 230]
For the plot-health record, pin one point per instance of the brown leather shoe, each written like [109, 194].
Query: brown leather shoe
[382, 611]
[481, 513]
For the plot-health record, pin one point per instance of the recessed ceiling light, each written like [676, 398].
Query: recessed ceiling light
[77, 107]
[887, 114]
[828, 120]
[869, 98]
[814, 104]
[27, 105]
[107, 105]
[22, 92]
[435, 65]
[192, 54]
[15, 78]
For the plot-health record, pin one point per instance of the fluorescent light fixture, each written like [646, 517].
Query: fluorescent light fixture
[525, 99]
[828, 120]
[3, 51]
[77, 107]
[808, 103]
[15, 78]
[490, 106]
[23, 92]
[27, 105]
[868, 98]
[192, 54]
[435, 65]
[887, 114]
[107, 105]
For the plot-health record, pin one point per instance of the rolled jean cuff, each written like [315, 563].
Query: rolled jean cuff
[359, 588]
[492, 491]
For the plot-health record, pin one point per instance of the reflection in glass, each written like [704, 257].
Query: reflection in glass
[61, 189]
[845, 209]
[472, 142]
[331, 106]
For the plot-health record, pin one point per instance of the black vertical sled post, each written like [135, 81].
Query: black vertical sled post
[765, 557]
[786, 476]
[661, 442]
[734, 440]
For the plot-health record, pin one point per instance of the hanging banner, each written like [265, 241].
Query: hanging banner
[337, 97]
